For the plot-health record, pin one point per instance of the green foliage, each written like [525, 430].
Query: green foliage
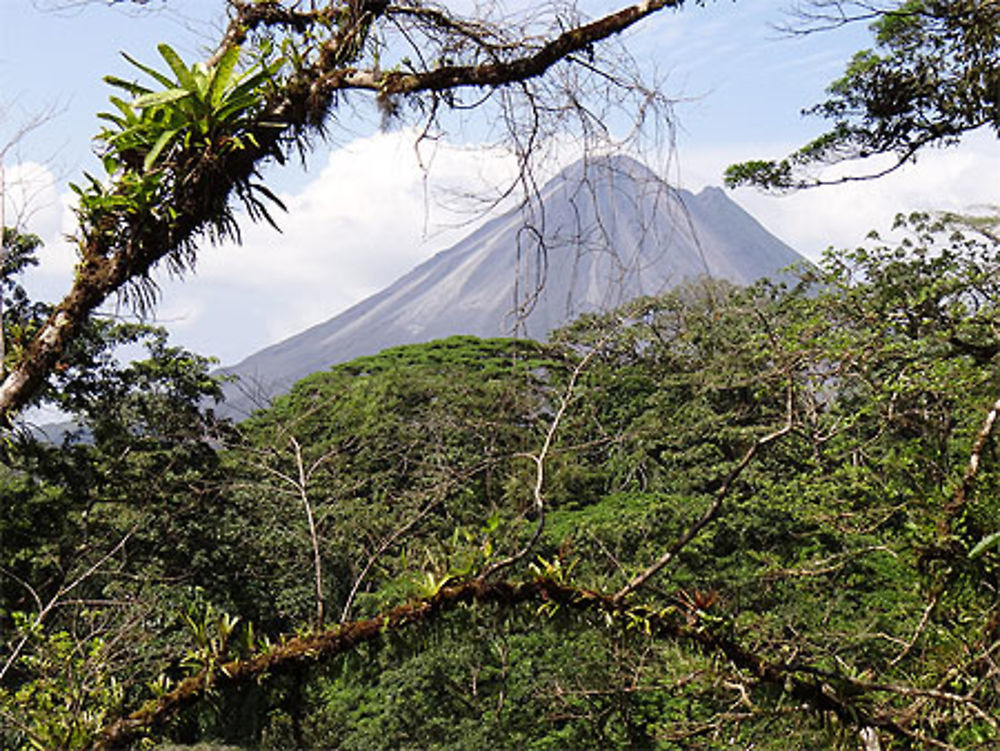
[828, 549]
[72, 692]
[475, 680]
[423, 434]
[154, 146]
[96, 534]
[22, 316]
[990, 541]
[209, 108]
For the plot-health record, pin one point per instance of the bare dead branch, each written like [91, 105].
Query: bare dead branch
[301, 486]
[958, 501]
[540, 459]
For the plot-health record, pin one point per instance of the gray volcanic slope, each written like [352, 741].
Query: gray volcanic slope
[610, 231]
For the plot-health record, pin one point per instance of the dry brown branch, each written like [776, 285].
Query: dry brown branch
[957, 503]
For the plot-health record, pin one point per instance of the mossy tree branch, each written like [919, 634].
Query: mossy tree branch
[300, 653]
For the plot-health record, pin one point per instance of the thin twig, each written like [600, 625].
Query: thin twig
[539, 460]
[916, 634]
[63, 591]
[384, 545]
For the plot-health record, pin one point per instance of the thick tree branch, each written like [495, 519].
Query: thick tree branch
[299, 653]
[203, 181]
[495, 74]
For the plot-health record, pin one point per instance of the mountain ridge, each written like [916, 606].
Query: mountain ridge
[603, 232]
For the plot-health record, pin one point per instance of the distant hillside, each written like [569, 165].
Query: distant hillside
[608, 230]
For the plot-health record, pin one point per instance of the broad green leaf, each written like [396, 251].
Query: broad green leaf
[202, 79]
[234, 109]
[119, 121]
[111, 164]
[165, 138]
[184, 77]
[161, 97]
[985, 544]
[125, 108]
[130, 86]
[250, 86]
[221, 75]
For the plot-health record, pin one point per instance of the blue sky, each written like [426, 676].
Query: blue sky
[362, 213]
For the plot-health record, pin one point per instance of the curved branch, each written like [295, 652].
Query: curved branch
[300, 653]
[541, 457]
[713, 510]
[57, 598]
[494, 74]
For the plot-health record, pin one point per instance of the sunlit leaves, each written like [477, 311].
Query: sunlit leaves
[201, 106]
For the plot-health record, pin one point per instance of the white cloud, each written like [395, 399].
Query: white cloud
[368, 203]
[34, 204]
[371, 213]
[30, 197]
[367, 217]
